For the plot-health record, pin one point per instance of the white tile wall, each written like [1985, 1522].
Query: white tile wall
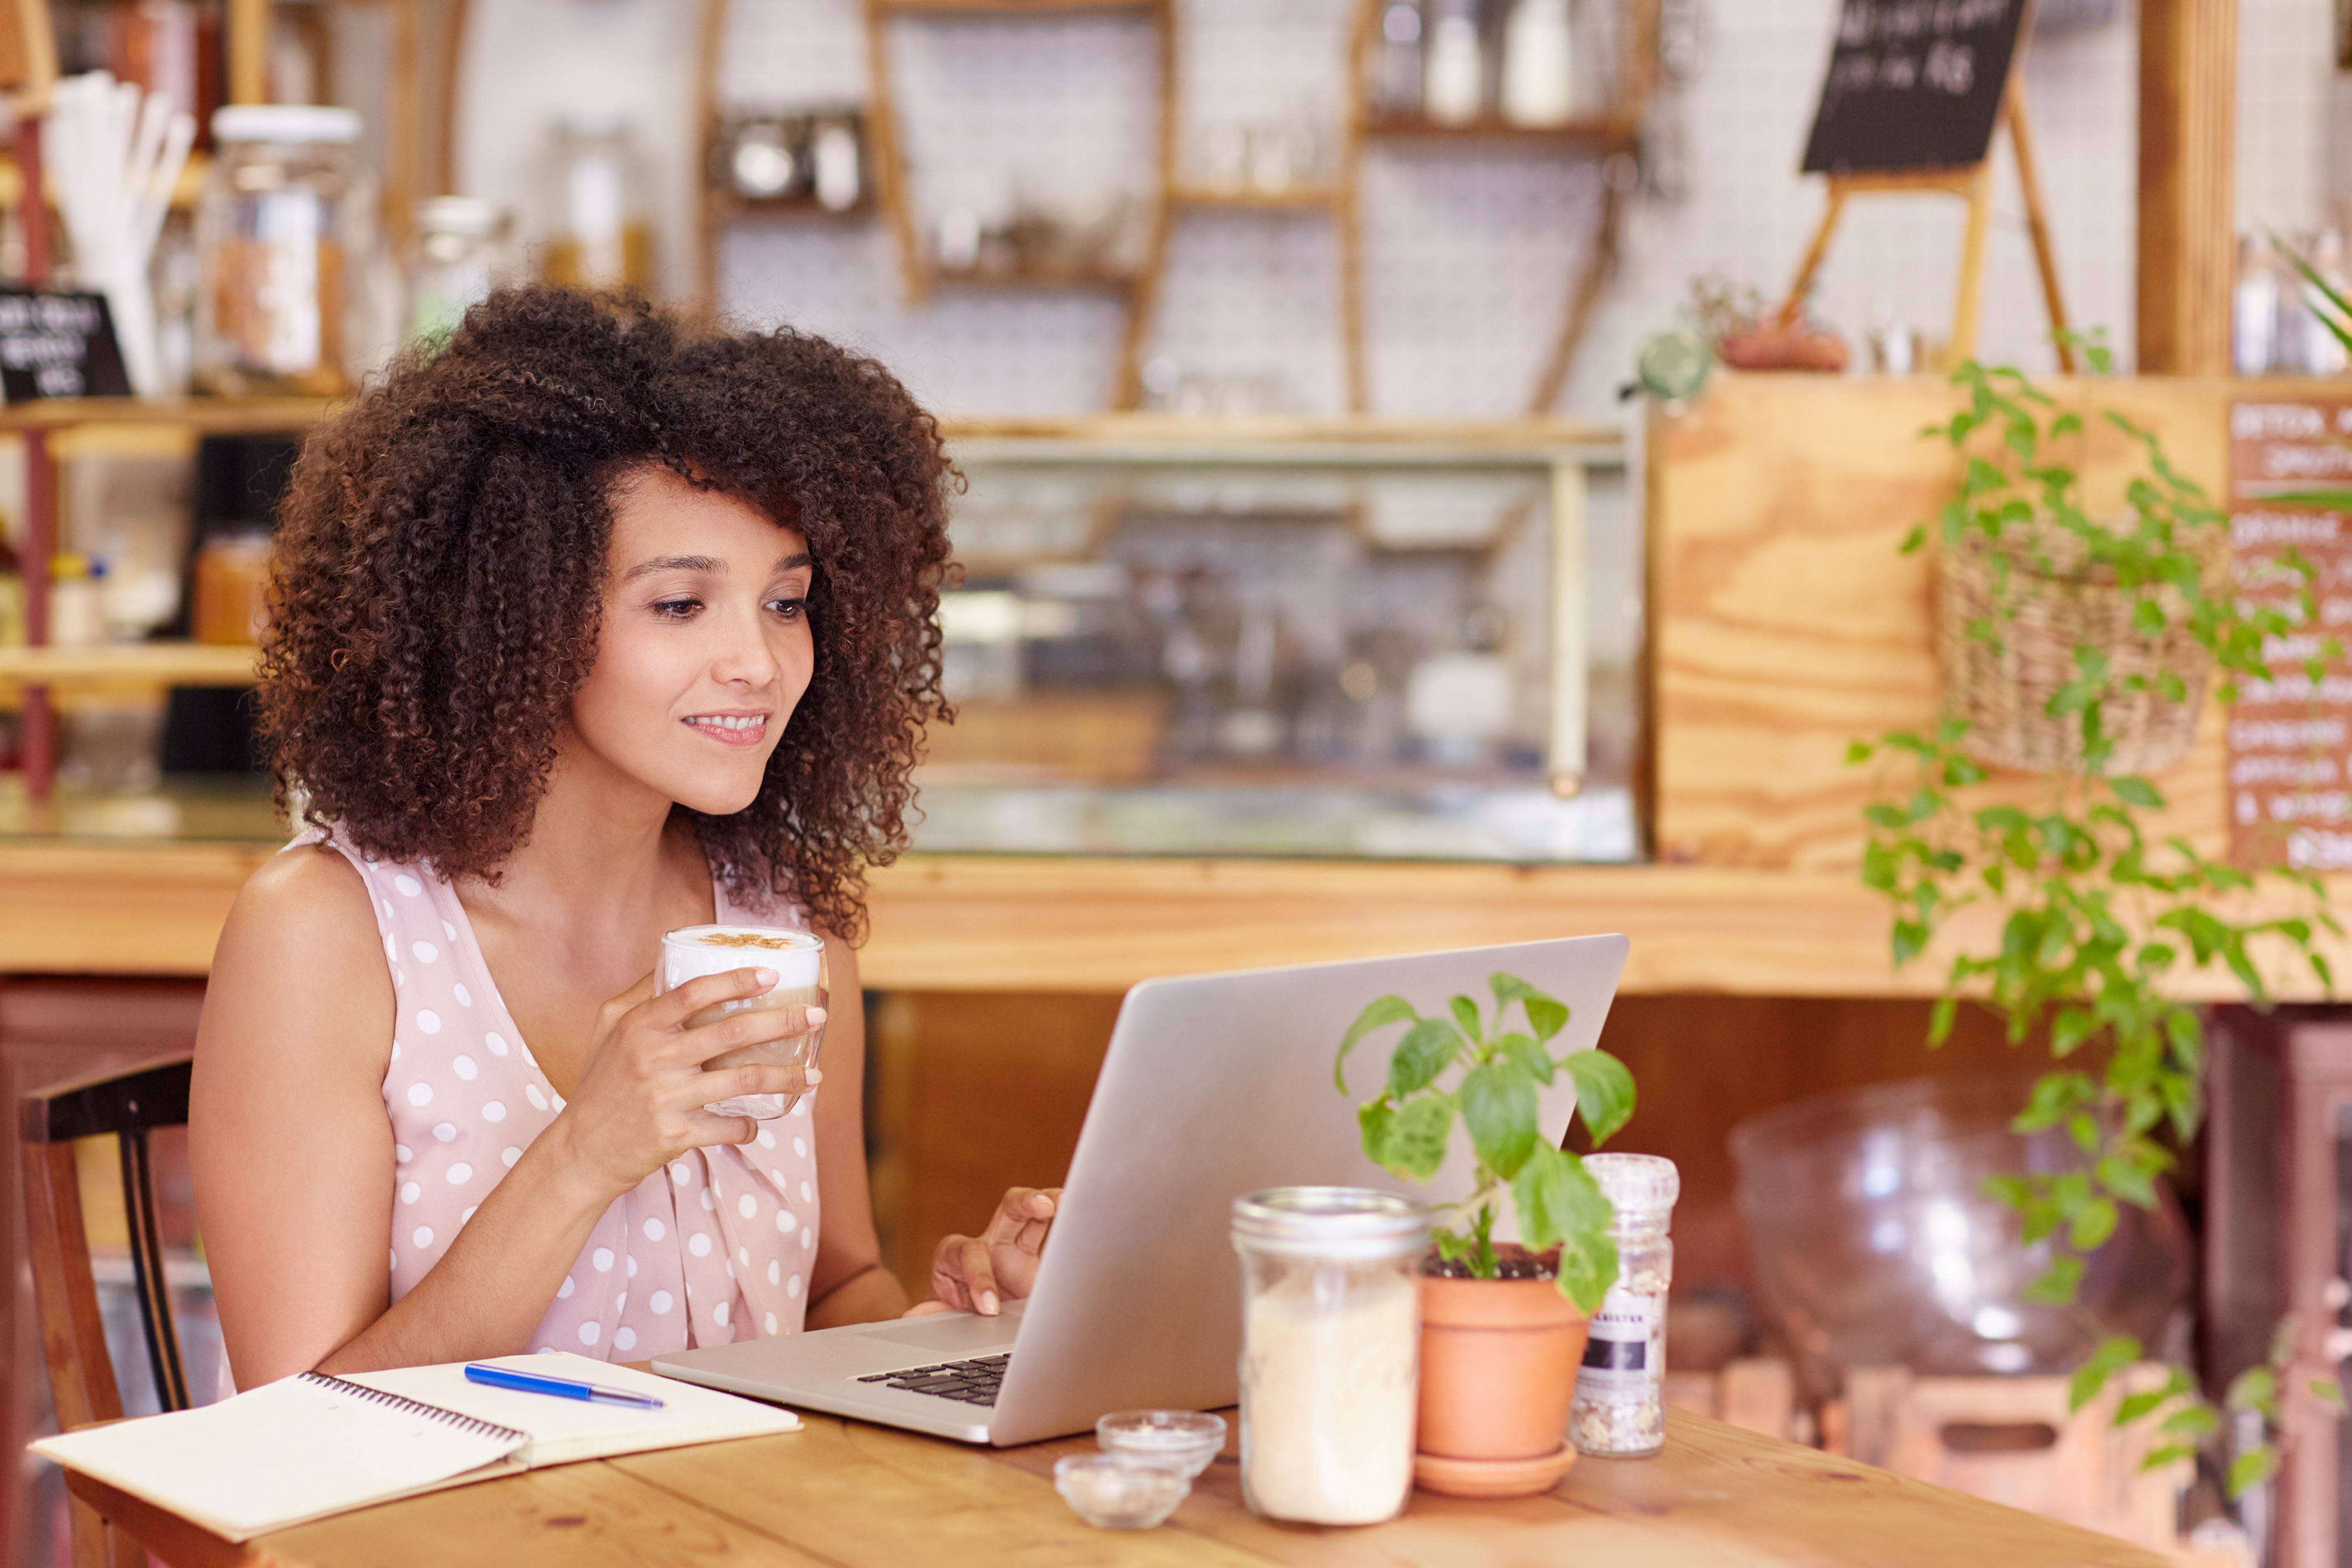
[1469, 253]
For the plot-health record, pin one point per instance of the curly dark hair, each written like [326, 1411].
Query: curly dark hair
[440, 570]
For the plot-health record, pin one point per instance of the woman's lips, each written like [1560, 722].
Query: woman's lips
[741, 733]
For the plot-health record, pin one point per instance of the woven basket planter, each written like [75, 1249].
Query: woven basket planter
[2063, 603]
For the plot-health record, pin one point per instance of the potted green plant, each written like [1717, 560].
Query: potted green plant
[1503, 1325]
[2100, 912]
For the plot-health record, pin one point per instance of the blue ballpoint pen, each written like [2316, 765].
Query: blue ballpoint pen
[561, 1387]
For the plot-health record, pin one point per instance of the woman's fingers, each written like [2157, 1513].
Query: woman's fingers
[962, 1275]
[1022, 1209]
[672, 1008]
[753, 1026]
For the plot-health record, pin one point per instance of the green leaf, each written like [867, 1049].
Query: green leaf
[1604, 1092]
[1559, 1205]
[1857, 751]
[2252, 1468]
[2156, 1458]
[2192, 1421]
[1523, 1049]
[2133, 790]
[2329, 1392]
[2127, 1181]
[2094, 1223]
[1387, 1010]
[1415, 1144]
[1465, 1018]
[1427, 1049]
[2057, 1285]
[1913, 540]
[2256, 1388]
[1374, 1118]
[2136, 1405]
[1940, 1022]
[1547, 1016]
[1498, 1107]
[2114, 1353]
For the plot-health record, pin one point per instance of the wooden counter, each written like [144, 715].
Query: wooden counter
[852, 1496]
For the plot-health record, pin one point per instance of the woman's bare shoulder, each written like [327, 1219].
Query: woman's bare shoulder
[299, 951]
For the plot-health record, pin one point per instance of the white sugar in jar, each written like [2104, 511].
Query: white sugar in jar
[1330, 1369]
[798, 959]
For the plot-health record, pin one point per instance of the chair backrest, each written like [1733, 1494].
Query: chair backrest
[129, 1104]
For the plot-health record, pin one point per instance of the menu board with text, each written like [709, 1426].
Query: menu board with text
[2290, 739]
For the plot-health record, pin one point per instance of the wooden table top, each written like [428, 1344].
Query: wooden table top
[848, 1495]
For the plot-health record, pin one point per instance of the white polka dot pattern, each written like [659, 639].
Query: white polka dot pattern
[727, 1236]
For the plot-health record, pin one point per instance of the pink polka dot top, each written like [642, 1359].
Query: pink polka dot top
[715, 1247]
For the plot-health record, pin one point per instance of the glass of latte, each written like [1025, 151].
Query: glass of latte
[798, 959]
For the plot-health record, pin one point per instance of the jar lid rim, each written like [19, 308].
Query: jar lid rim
[1358, 1222]
[285, 122]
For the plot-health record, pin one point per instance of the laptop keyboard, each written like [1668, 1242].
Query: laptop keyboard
[973, 1382]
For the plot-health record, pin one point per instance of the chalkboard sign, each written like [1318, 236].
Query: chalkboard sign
[58, 345]
[1914, 84]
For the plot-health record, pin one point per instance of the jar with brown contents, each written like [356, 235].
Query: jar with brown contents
[285, 228]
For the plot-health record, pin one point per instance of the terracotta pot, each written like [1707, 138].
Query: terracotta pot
[1498, 1360]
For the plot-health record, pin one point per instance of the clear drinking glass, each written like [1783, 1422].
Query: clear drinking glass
[1330, 1369]
[798, 959]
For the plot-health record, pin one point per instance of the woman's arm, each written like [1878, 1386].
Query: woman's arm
[847, 1284]
[292, 1151]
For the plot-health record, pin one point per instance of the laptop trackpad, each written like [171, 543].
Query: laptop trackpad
[952, 1334]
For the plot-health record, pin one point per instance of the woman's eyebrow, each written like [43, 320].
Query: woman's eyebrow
[795, 562]
[674, 563]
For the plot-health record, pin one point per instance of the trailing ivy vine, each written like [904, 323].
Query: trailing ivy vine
[2100, 914]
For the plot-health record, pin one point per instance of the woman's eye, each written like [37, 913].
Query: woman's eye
[789, 609]
[676, 609]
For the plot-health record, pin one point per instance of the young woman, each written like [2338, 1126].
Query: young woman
[590, 626]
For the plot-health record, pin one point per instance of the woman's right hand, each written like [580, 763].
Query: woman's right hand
[639, 1102]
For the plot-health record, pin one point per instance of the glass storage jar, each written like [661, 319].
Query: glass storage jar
[1330, 1351]
[1619, 1408]
[593, 232]
[286, 235]
[461, 253]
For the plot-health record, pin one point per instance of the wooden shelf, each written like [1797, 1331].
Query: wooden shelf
[1009, 8]
[1298, 198]
[121, 664]
[726, 206]
[183, 189]
[211, 416]
[1603, 131]
[1032, 279]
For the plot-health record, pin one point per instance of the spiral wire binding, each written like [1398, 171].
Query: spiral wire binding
[472, 1425]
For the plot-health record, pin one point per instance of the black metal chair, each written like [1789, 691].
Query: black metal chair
[129, 1104]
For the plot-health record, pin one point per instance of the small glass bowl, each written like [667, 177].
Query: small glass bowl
[1113, 1492]
[1187, 1440]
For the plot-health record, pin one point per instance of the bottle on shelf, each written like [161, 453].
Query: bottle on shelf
[594, 232]
[2254, 309]
[1397, 80]
[1539, 80]
[461, 252]
[1455, 80]
[75, 617]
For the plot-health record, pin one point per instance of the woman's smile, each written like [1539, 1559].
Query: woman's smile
[738, 730]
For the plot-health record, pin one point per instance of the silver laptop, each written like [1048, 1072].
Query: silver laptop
[1214, 1085]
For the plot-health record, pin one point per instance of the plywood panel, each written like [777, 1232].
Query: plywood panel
[1786, 623]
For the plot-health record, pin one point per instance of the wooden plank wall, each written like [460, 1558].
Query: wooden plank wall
[1786, 624]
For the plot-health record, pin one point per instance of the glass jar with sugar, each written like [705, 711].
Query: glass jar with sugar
[1330, 1351]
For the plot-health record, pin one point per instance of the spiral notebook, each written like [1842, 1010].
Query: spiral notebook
[311, 1446]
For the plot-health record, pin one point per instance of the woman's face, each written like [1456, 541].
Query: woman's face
[704, 649]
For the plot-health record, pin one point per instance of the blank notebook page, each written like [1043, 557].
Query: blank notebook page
[298, 1448]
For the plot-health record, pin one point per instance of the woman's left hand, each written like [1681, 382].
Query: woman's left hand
[980, 1272]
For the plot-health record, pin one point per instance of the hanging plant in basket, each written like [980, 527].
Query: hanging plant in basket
[2069, 642]
[2081, 647]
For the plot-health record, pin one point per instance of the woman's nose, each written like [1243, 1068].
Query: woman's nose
[744, 656]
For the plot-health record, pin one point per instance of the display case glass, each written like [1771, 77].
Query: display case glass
[1382, 643]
